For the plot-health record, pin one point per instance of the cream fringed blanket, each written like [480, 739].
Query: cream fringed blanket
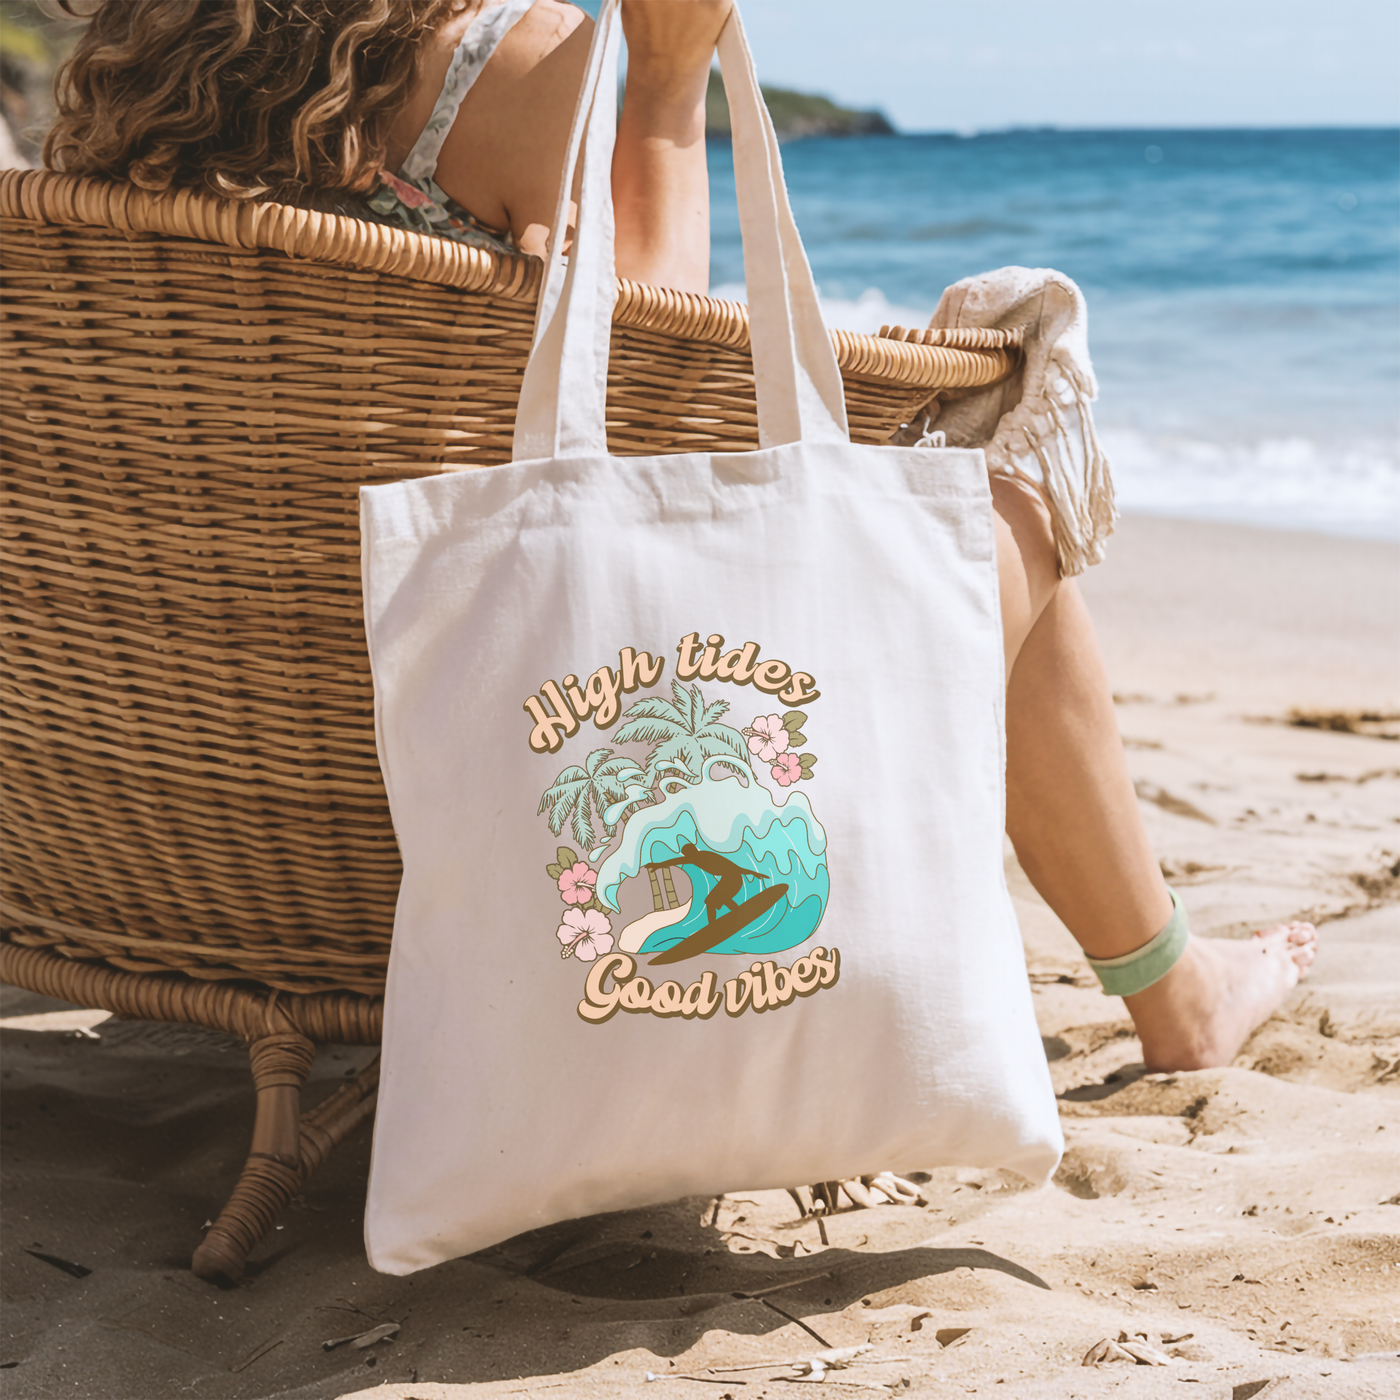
[1036, 425]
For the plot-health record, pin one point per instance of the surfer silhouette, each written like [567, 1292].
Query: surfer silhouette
[729, 875]
[730, 880]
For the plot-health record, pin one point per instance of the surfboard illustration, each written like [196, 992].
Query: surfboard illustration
[723, 927]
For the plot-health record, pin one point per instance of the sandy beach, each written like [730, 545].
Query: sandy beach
[1240, 1226]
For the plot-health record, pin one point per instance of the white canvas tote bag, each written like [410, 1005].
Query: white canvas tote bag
[696, 765]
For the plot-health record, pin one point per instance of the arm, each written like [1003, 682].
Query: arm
[502, 158]
[660, 181]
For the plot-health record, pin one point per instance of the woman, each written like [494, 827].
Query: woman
[317, 101]
[454, 116]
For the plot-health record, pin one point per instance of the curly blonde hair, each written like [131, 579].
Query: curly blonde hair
[243, 98]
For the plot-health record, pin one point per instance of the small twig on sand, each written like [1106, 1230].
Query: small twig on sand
[882, 1387]
[780, 1287]
[808, 1369]
[363, 1339]
[811, 1332]
[256, 1354]
[694, 1376]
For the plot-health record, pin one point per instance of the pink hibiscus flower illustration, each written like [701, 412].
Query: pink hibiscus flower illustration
[585, 934]
[769, 738]
[576, 883]
[788, 769]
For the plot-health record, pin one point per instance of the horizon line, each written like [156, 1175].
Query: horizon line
[1033, 128]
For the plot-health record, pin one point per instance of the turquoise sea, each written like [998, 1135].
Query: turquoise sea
[1243, 289]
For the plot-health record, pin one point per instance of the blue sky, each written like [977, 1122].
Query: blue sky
[947, 65]
[936, 65]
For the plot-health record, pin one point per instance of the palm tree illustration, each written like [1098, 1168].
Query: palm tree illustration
[603, 788]
[685, 735]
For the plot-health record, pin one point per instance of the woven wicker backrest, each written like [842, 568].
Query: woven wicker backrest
[193, 391]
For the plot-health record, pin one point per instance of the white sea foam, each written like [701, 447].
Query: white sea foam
[865, 314]
[871, 310]
[1287, 483]
[1301, 483]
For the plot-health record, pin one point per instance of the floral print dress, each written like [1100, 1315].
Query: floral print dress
[412, 198]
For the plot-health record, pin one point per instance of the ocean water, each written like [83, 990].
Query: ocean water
[1243, 292]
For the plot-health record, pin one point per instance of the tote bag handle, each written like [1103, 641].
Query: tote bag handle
[798, 382]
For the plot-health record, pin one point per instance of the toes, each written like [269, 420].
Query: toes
[1297, 931]
[1302, 944]
[1296, 943]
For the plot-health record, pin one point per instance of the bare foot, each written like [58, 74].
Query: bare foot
[1201, 1013]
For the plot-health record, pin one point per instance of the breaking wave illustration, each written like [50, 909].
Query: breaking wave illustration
[779, 847]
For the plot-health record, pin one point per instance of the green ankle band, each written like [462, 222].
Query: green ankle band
[1135, 972]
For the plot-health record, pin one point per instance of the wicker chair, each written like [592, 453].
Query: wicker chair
[194, 389]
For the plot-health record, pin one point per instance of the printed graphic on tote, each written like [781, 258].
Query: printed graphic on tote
[705, 825]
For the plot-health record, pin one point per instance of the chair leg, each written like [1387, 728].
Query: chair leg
[272, 1174]
[333, 1120]
[287, 1148]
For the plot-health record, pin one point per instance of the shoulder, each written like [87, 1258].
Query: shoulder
[537, 33]
[502, 157]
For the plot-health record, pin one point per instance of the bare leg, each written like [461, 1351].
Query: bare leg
[1073, 817]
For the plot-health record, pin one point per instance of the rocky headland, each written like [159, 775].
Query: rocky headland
[796, 114]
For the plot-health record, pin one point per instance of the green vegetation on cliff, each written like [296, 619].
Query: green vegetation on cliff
[796, 114]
